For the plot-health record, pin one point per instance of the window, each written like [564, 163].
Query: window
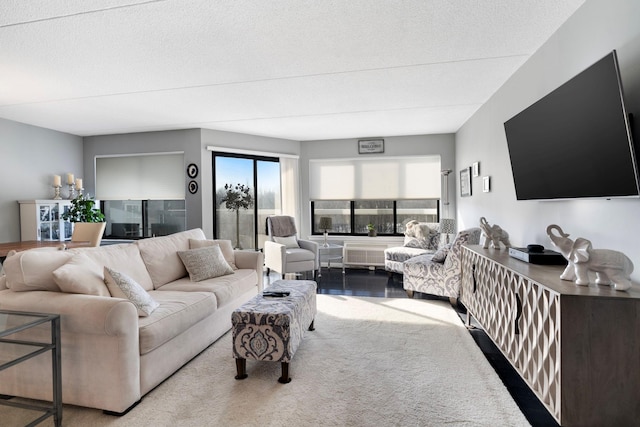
[351, 217]
[136, 219]
[253, 191]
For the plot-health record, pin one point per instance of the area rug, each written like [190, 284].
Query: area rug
[369, 362]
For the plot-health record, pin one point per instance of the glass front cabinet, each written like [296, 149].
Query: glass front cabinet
[42, 220]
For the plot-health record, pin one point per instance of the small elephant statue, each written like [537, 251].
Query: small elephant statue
[611, 267]
[494, 234]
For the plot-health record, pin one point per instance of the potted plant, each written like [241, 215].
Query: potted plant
[83, 210]
[237, 197]
[372, 230]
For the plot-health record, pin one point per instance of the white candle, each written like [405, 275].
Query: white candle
[56, 181]
[69, 178]
[78, 183]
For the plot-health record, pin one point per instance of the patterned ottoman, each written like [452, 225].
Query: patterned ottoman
[271, 328]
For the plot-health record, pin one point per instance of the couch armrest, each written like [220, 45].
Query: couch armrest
[99, 344]
[275, 255]
[83, 314]
[251, 260]
[313, 247]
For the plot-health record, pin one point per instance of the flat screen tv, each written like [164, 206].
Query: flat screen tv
[576, 141]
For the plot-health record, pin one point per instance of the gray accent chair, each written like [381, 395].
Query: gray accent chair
[286, 253]
[413, 246]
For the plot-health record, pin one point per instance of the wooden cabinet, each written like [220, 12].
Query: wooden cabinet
[578, 348]
[42, 220]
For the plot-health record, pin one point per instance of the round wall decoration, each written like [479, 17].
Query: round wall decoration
[193, 187]
[192, 170]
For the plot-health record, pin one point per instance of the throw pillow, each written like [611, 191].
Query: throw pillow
[32, 270]
[225, 246]
[428, 242]
[441, 254]
[288, 242]
[80, 275]
[122, 286]
[205, 263]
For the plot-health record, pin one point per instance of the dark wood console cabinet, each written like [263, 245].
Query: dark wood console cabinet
[577, 347]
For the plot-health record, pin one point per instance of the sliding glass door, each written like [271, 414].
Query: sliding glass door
[247, 190]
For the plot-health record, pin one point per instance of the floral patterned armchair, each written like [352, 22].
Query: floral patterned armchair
[439, 273]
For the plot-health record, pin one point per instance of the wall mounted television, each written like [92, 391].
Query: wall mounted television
[576, 141]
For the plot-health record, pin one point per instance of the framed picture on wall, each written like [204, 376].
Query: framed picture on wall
[368, 146]
[465, 182]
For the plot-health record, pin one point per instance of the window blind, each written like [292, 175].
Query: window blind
[141, 177]
[385, 178]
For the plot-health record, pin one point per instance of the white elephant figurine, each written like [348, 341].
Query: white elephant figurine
[494, 234]
[611, 267]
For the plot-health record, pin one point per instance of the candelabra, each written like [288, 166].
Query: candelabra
[80, 190]
[72, 192]
[56, 192]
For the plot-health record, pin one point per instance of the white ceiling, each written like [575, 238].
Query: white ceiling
[295, 69]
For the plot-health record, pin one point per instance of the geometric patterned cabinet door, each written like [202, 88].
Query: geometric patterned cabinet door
[576, 347]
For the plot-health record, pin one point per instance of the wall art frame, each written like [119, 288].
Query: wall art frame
[465, 182]
[369, 146]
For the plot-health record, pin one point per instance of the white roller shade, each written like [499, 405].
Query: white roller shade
[141, 177]
[380, 178]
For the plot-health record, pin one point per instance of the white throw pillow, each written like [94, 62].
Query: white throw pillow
[288, 242]
[122, 286]
[32, 270]
[80, 275]
[205, 263]
[225, 246]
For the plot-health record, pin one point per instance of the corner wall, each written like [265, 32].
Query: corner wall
[30, 157]
[598, 27]
[187, 141]
[394, 146]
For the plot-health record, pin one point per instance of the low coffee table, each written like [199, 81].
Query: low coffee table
[271, 328]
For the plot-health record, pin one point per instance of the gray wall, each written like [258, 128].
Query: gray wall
[395, 146]
[187, 141]
[30, 157]
[598, 27]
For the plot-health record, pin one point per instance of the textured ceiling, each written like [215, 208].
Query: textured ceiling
[295, 69]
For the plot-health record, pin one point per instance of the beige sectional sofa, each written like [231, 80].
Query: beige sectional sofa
[111, 356]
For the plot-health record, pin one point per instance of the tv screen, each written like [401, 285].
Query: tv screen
[576, 141]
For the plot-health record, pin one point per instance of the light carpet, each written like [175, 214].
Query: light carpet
[370, 362]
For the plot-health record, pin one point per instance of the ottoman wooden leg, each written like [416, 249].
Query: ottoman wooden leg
[311, 327]
[241, 368]
[284, 378]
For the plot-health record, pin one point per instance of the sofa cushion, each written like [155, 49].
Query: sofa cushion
[80, 275]
[178, 311]
[205, 263]
[225, 246]
[441, 254]
[160, 255]
[225, 288]
[429, 242]
[288, 242]
[122, 286]
[32, 270]
[298, 254]
[124, 257]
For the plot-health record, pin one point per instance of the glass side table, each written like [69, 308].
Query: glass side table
[12, 322]
[332, 252]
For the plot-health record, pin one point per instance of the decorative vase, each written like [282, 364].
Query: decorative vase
[372, 233]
